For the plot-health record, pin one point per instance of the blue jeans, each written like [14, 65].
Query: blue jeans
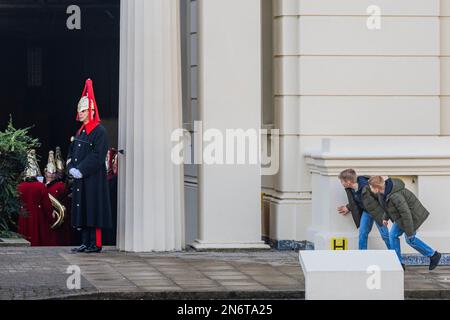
[365, 228]
[414, 242]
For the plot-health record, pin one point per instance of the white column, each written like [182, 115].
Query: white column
[229, 98]
[151, 211]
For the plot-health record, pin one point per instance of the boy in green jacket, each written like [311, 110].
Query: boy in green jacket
[407, 213]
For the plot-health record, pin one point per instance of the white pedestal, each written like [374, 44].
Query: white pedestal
[352, 275]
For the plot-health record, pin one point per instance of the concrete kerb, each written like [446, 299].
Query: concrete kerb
[183, 295]
[441, 294]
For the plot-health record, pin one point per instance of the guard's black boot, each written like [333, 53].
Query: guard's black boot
[85, 240]
[80, 249]
[434, 260]
[93, 249]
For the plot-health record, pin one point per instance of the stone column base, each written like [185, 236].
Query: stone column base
[201, 245]
[323, 240]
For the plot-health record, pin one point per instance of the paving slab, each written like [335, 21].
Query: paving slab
[41, 273]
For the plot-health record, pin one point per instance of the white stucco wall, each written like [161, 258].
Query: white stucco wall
[335, 78]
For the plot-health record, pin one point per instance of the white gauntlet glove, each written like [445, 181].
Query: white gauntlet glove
[76, 173]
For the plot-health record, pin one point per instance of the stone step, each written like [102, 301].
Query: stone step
[14, 243]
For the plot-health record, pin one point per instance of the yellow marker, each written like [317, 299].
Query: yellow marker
[339, 244]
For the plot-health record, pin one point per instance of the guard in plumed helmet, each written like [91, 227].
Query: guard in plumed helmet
[91, 211]
[57, 188]
[36, 218]
[60, 164]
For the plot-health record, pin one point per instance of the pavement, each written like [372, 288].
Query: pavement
[44, 273]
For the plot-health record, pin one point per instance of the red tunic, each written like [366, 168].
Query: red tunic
[64, 234]
[35, 226]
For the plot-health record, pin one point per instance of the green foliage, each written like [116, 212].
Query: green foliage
[14, 147]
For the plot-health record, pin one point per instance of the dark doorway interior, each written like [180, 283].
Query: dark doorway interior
[44, 66]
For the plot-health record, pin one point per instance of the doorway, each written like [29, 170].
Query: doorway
[44, 65]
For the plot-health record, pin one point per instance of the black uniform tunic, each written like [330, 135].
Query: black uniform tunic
[91, 201]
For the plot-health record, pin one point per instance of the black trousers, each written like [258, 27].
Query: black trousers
[88, 236]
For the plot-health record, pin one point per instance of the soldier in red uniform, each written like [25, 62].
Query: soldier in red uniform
[37, 216]
[110, 237]
[111, 163]
[57, 188]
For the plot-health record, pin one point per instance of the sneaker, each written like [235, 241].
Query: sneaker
[434, 260]
[80, 249]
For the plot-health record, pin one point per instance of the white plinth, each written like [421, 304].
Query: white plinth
[352, 275]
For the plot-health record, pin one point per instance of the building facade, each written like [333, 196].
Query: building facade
[346, 83]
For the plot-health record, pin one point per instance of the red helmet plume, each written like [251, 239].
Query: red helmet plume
[88, 102]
